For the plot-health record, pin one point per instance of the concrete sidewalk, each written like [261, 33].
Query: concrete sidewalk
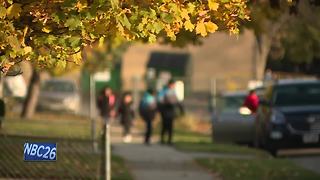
[156, 162]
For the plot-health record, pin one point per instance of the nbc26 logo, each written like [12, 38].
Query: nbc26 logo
[40, 151]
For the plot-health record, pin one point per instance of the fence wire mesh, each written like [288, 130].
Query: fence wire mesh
[76, 158]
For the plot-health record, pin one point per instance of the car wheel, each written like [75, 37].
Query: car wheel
[272, 150]
[271, 147]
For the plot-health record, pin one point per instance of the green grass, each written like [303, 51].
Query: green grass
[49, 127]
[196, 142]
[275, 169]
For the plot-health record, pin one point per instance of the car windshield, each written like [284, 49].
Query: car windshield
[231, 103]
[297, 95]
[58, 86]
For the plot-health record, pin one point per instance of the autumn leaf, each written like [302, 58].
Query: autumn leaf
[14, 11]
[211, 27]
[184, 14]
[77, 58]
[14, 43]
[46, 29]
[201, 29]
[213, 5]
[188, 26]
[27, 49]
[152, 38]
[3, 12]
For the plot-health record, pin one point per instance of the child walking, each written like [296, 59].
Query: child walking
[126, 113]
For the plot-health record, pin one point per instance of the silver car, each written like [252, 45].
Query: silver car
[231, 122]
[59, 95]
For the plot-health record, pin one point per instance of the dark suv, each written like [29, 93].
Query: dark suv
[289, 115]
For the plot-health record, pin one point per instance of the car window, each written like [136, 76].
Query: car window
[56, 86]
[230, 103]
[297, 95]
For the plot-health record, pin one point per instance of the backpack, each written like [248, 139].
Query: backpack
[145, 105]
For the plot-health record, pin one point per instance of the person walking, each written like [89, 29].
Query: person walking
[168, 112]
[147, 110]
[106, 104]
[126, 113]
[252, 101]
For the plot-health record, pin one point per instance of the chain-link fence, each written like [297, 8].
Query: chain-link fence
[76, 158]
[198, 93]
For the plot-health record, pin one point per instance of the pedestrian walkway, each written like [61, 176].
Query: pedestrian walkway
[156, 162]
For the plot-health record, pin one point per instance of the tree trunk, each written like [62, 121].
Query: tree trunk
[30, 103]
[263, 45]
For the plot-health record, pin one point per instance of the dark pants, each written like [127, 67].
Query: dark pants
[126, 127]
[148, 130]
[167, 128]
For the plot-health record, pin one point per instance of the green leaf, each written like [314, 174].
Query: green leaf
[51, 39]
[60, 65]
[14, 43]
[73, 23]
[224, 1]
[124, 21]
[168, 18]
[74, 41]
[157, 27]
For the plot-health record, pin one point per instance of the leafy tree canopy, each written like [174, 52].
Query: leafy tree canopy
[50, 33]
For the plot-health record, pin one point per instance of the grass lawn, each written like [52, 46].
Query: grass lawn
[75, 158]
[275, 169]
[263, 166]
[196, 142]
[50, 125]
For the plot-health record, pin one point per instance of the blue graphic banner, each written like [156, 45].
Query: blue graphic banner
[40, 151]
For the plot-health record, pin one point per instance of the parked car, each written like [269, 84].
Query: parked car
[59, 95]
[289, 115]
[232, 123]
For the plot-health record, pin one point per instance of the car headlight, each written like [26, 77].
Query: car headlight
[245, 111]
[277, 117]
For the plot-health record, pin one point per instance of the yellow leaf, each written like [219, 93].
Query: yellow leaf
[101, 42]
[184, 14]
[144, 20]
[27, 49]
[211, 27]
[213, 5]
[2, 11]
[191, 8]
[46, 29]
[188, 26]
[77, 58]
[201, 29]
[14, 11]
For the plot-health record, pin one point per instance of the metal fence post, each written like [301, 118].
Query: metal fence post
[107, 151]
[93, 119]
